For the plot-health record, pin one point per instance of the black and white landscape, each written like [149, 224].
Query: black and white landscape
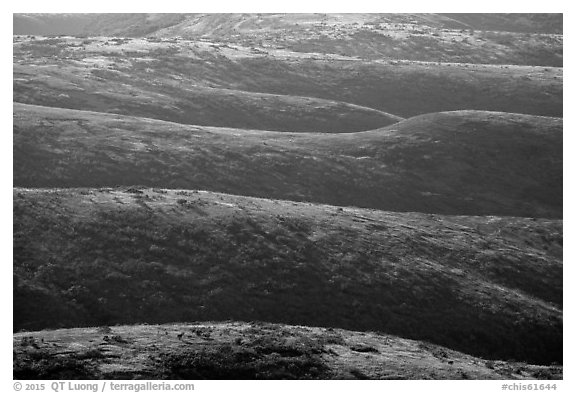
[288, 196]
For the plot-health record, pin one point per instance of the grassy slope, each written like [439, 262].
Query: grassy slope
[93, 24]
[50, 24]
[374, 36]
[497, 38]
[205, 83]
[141, 24]
[490, 286]
[235, 350]
[120, 84]
[473, 163]
[524, 23]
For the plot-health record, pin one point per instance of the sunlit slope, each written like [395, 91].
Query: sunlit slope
[136, 87]
[517, 22]
[210, 83]
[484, 39]
[473, 163]
[522, 39]
[240, 350]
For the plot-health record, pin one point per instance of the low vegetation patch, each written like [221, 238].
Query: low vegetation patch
[112, 256]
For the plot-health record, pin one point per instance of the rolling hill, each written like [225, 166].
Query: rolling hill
[421, 37]
[50, 24]
[288, 196]
[520, 39]
[130, 25]
[487, 286]
[233, 350]
[517, 22]
[469, 162]
[205, 83]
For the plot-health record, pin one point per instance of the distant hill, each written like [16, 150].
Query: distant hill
[100, 82]
[95, 24]
[141, 24]
[208, 83]
[517, 22]
[474, 163]
[522, 39]
[236, 350]
[50, 24]
[487, 286]
[426, 37]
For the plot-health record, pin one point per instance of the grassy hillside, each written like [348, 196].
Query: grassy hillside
[473, 163]
[205, 83]
[50, 24]
[522, 39]
[490, 287]
[233, 350]
[517, 22]
[422, 37]
[93, 24]
[119, 84]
